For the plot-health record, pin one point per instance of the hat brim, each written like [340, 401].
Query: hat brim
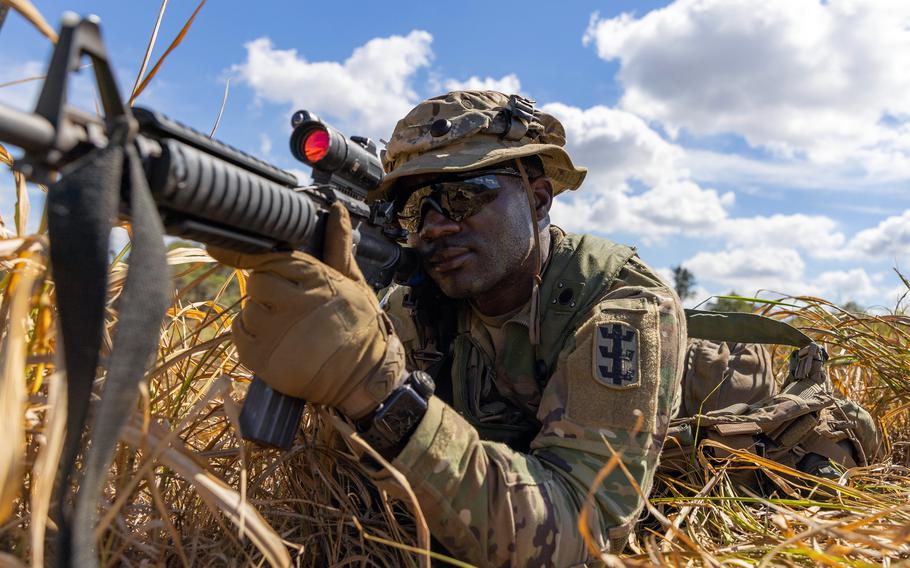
[476, 154]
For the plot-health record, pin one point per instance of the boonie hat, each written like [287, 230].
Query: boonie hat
[467, 130]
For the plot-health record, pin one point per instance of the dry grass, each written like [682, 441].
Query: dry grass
[861, 519]
[185, 490]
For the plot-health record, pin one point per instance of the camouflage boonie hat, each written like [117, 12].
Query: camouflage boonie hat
[466, 130]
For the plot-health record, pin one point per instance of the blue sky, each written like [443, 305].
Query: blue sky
[764, 144]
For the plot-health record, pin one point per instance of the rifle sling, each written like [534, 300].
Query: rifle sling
[82, 207]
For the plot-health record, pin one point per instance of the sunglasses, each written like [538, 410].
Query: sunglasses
[457, 198]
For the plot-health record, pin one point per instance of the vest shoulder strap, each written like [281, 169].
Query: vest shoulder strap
[580, 271]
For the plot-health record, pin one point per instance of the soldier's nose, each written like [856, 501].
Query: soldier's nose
[436, 225]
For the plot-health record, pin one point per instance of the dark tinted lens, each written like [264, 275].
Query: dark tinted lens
[409, 216]
[462, 203]
[457, 200]
[477, 183]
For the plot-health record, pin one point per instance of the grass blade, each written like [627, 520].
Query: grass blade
[30, 13]
[12, 383]
[227, 85]
[46, 465]
[148, 51]
[177, 40]
[218, 496]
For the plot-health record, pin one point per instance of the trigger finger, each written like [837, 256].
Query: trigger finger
[241, 260]
[338, 238]
[248, 343]
[254, 318]
[338, 250]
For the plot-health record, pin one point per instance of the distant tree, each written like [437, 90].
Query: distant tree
[731, 305]
[853, 308]
[684, 282]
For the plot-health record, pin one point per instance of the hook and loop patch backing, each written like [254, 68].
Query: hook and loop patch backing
[614, 369]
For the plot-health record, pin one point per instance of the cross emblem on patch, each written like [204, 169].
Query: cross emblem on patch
[616, 355]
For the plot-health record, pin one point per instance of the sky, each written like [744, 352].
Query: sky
[762, 144]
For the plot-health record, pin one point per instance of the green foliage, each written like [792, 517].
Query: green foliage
[732, 302]
[684, 282]
[213, 279]
[203, 282]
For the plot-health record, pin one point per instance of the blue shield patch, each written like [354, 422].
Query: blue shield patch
[616, 355]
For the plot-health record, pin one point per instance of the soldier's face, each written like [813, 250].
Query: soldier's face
[489, 251]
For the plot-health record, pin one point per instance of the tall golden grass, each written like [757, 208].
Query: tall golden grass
[860, 519]
[184, 489]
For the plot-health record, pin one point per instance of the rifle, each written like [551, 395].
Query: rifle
[165, 177]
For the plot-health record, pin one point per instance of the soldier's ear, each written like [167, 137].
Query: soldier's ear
[543, 196]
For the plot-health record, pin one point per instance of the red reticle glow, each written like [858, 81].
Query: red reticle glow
[315, 145]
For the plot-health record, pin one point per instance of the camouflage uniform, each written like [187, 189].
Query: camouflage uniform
[514, 439]
[497, 505]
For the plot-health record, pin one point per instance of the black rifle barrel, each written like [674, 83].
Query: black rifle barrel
[29, 131]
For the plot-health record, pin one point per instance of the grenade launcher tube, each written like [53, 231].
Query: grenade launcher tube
[218, 202]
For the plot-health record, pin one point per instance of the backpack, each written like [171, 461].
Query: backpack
[730, 397]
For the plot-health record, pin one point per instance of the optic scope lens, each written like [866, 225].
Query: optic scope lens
[315, 145]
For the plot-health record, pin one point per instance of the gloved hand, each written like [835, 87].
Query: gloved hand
[314, 330]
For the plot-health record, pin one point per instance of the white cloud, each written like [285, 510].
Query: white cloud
[828, 79]
[371, 89]
[507, 84]
[265, 144]
[763, 269]
[638, 184]
[845, 285]
[617, 145]
[635, 183]
[665, 273]
[889, 239]
[652, 215]
[21, 96]
[747, 270]
[715, 167]
[816, 234]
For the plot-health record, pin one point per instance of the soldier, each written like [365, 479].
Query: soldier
[551, 352]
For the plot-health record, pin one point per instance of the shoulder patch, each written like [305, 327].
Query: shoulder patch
[613, 374]
[616, 355]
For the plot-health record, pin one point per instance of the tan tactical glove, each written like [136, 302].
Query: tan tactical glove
[314, 330]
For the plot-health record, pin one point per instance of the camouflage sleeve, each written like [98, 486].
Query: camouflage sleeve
[492, 506]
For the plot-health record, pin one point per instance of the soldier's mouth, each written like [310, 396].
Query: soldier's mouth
[449, 259]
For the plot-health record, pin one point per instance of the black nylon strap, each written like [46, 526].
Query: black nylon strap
[81, 210]
[83, 219]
